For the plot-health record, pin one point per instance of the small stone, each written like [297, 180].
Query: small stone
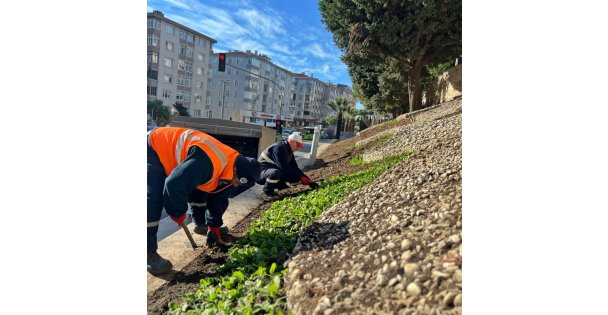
[406, 244]
[383, 258]
[392, 282]
[458, 300]
[307, 276]
[406, 255]
[360, 274]
[381, 280]
[394, 218]
[448, 300]
[390, 245]
[409, 270]
[413, 289]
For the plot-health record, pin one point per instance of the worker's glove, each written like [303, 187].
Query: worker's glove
[180, 220]
[313, 185]
[305, 180]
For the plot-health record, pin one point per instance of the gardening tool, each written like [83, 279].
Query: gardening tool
[189, 236]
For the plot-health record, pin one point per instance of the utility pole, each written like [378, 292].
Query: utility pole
[224, 96]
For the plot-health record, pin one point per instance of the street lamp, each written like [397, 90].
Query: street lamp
[224, 82]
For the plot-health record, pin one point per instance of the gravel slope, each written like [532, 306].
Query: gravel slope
[394, 246]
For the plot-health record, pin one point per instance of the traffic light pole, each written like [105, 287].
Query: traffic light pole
[224, 96]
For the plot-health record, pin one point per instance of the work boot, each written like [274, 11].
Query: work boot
[213, 237]
[158, 265]
[269, 195]
[202, 229]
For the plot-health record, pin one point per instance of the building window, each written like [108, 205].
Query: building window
[208, 80]
[229, 71]
[169, 29]
[210, 114]
[197, 84]
[166, 94]
[167, 78]
[186, 51]
[152, 40]
[184, 81]
[152, 57]
[186, 36]
[152, 90]
[198, 99]
[201, 42]
[153, 74]
[154, 23]
[208, 101]
[227, 93]
[199, 71]
[169, 46]
[199, 56]
[197, 112]
[168, 62]
[234, 93]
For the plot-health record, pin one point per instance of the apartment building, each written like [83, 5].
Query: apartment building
[309, 99]
[178, 59]
[253, 90]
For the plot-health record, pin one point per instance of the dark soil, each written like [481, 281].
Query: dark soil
[333, 161]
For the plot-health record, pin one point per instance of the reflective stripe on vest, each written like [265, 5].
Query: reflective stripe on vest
[153, 224]
[198, 204]
[186, 136]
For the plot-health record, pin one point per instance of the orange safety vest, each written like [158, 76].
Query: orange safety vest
[172, 144]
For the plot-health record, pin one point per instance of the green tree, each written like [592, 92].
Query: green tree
[160, 114]
[415, 33]
[342, 107]
[181, 109]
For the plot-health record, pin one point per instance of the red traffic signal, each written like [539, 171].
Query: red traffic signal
[222, 63]
[278, 122]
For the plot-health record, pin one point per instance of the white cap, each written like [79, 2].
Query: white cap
[297, 137]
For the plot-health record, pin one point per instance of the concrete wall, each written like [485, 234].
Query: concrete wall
[445, 88]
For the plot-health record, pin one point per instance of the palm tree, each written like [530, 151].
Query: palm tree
[160, 114]
[342, 107]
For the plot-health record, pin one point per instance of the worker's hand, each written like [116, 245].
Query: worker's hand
[305, 180]
[313, 185]
[180, 220]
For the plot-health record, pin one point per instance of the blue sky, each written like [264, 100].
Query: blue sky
[289, 32]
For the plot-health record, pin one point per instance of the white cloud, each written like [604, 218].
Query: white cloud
[267, 24]
[316, 50]
[179, 4]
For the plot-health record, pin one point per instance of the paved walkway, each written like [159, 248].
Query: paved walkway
[178, 249]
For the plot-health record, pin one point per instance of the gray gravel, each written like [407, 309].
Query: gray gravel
[394, 246]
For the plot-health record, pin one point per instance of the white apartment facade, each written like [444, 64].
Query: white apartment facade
[178, 59]
[254, 90]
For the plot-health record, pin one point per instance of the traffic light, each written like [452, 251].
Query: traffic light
[278, 122]
[222, 63]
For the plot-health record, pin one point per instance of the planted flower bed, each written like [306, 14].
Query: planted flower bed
[251, 280]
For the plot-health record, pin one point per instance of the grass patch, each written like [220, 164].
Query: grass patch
[384, 139]
[251, 280]
[356, 160]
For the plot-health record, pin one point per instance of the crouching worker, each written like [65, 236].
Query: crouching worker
[180, 161]
[279, 167]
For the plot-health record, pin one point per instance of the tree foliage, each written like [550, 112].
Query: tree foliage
[160, 114]
[181, 109]
[342, 108]
[388, 43]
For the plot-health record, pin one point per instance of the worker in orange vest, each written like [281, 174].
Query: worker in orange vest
[180, 161]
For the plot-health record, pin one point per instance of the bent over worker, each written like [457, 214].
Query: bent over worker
[180, 161]
[279, 167]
